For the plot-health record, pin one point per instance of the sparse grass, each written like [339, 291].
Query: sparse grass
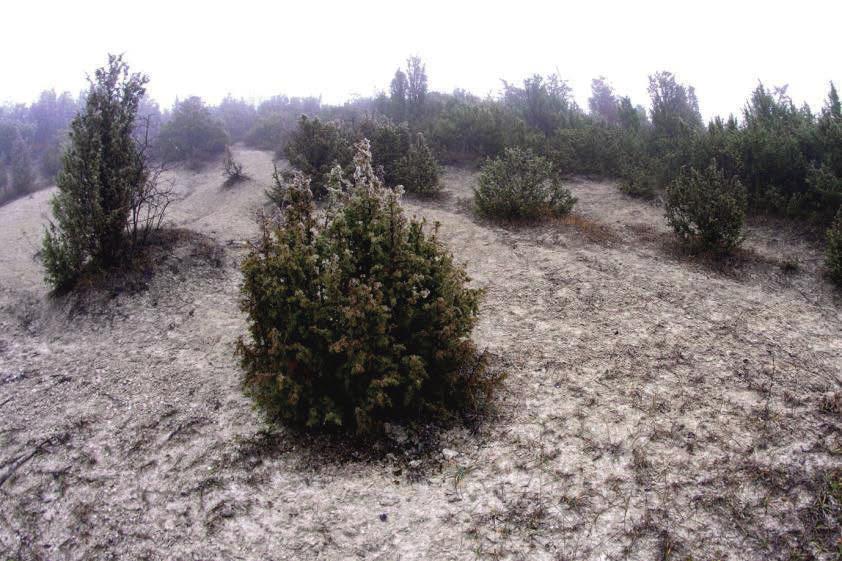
[735, 264]
[823, 518]
[672, 402]
[647, 232]
[459, 475]
[590, 229]
[831, 403]
[158, 254]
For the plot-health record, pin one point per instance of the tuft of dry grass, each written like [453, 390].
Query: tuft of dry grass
[590, 229]
[646, 232]
[167, 249]
[831, 403]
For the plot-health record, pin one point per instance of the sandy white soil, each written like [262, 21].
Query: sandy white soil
[657, 406]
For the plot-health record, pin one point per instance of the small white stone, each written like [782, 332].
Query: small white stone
[449, 454]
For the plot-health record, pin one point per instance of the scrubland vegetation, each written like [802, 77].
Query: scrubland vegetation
[787, 157]
[520, 185]
[109, 198]
[360, 319]
[635, 399]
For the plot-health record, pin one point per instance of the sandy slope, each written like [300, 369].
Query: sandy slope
[654, 406]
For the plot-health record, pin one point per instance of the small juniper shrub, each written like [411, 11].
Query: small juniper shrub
[822, 199]
[359, 318]
[521, 185]
[192, 134]
[707, 209]
[314, 148]
[389, 144]
[638, 181]
[834, 249]
[279, 191]
[232, 170]
[109, 198]
[418, 170]
[402, 159]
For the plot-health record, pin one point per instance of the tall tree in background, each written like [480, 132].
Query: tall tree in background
[50, 116]
[834, 108]
[398, 90]
[603, 103]
[22, 176]
[416, 92]
[192, 134]
[830, 134]
[628, 116]
[237, 115]
[675, 108]
[105, 187]
[544, 103]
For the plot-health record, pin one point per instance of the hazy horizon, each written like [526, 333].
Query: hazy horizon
[342, 50]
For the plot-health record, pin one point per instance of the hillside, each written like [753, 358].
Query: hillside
[656, 406]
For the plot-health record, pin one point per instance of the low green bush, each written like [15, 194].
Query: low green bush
[639, 181]
[314, 148]
[359, 318]
[834, 249]
[270, 132]
[520, 185]
[389, 144]
[594, 149]
[418, 170]
[192, 134]
[400, 158]
[707, 208]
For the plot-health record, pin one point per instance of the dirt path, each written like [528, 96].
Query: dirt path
[655, 407]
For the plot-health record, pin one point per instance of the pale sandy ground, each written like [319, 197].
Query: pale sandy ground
[656, 407]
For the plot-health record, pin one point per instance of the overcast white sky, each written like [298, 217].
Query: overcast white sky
[337, 49]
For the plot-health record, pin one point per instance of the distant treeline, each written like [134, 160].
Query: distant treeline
[788, 157]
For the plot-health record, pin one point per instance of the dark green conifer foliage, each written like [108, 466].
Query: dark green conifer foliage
[192, 134]
[830, 138]
[628, 116]
[707, 208]
[834, 107]
[834, 249]
[603, 104]
[416, 87]
[358, 319]
[520, 185]
[314, 148]
[637, 181]
[102, 171]
[418, 170]
[22, 175]
[399, 158]
[675, 108]
[398, 93]
[389, 144]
